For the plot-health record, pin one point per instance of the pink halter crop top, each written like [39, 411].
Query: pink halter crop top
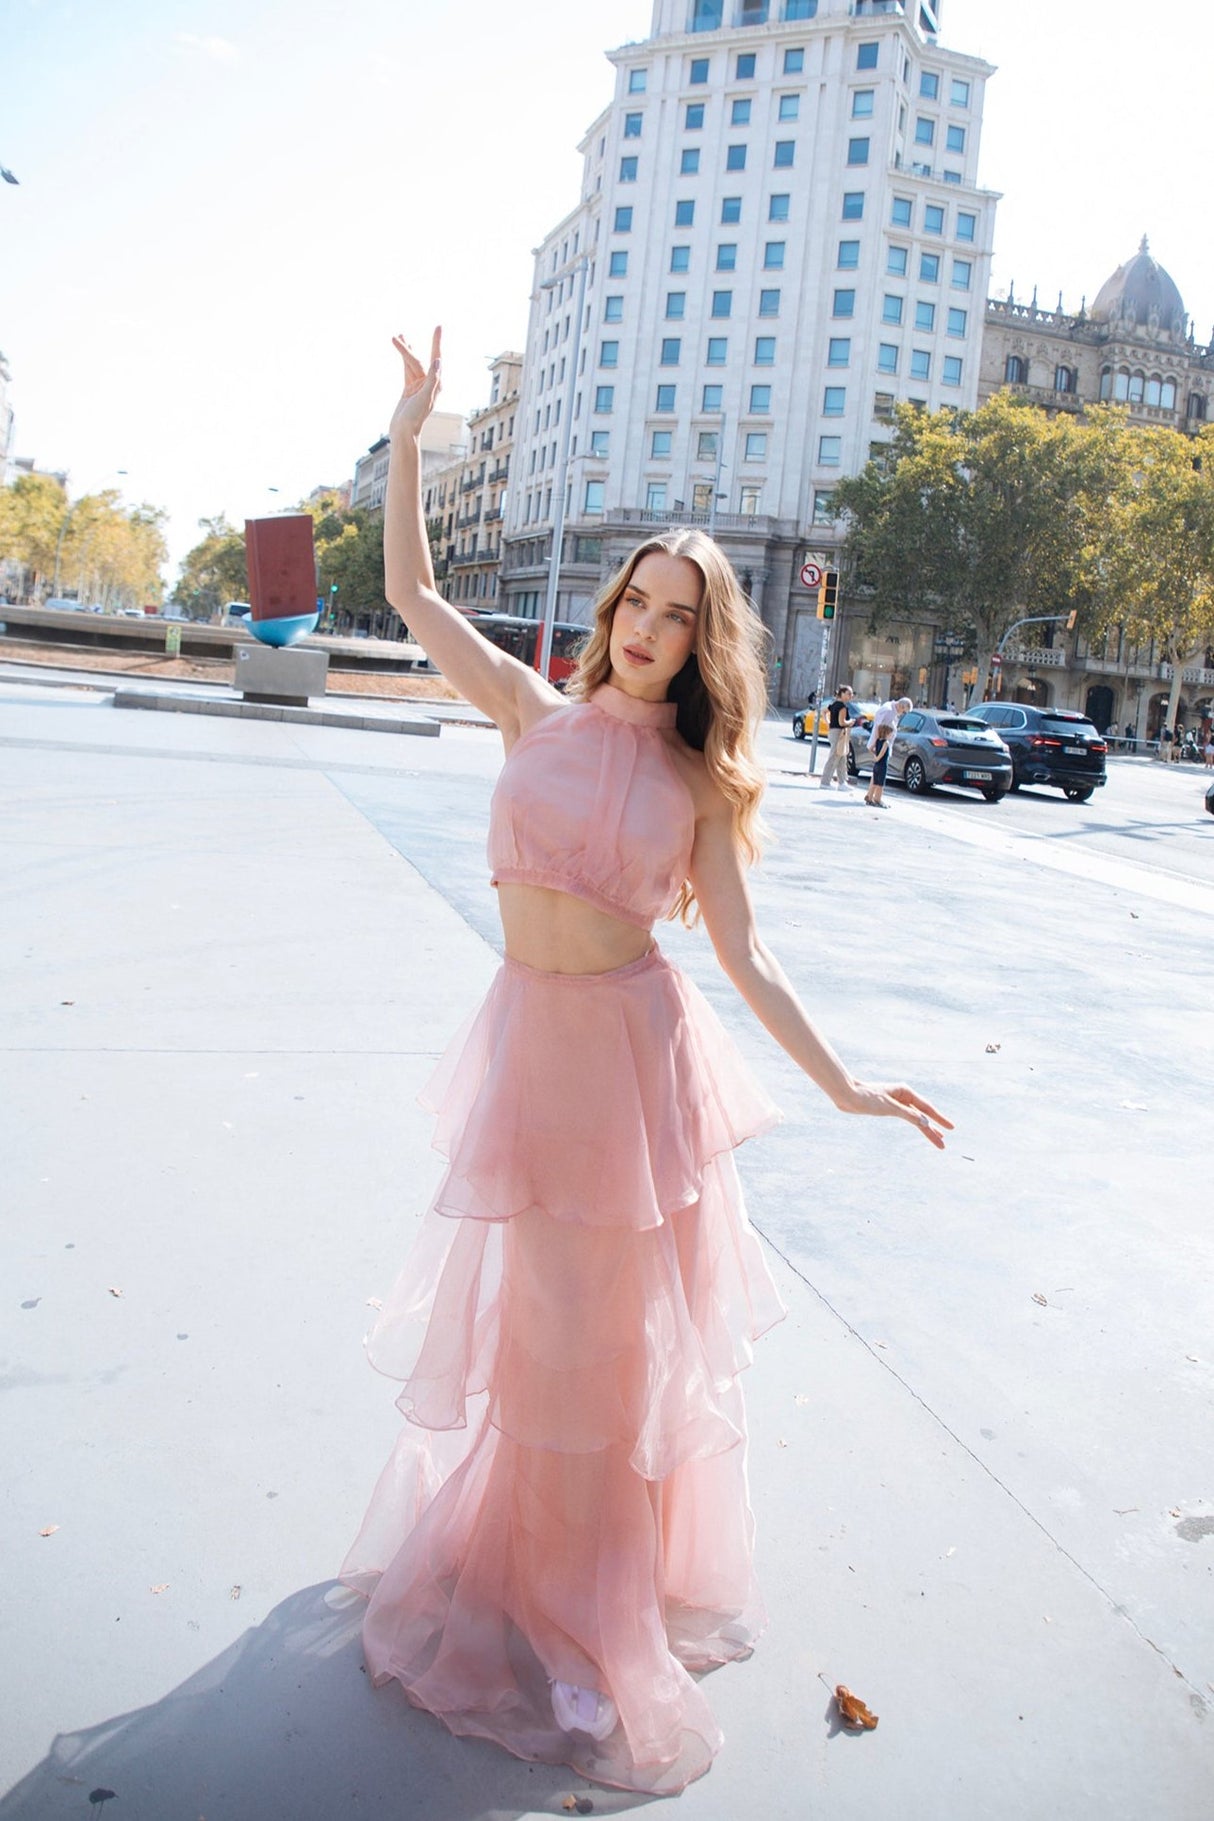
[589, 802]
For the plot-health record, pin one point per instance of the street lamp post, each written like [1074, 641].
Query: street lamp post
[558, 518]
[716, 479]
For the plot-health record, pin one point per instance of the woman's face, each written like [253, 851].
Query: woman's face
[653, 631]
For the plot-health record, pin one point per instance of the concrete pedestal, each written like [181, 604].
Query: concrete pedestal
[285, 676]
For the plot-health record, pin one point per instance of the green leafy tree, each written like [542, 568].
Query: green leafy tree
[32, 514]
[214, 571]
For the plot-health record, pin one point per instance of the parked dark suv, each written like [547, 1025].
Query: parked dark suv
[1055, 746]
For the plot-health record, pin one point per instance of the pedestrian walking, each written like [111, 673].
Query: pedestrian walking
[1207, 752]
[838, 716]
[561, 1539]
[1164, 750]
[880, 740]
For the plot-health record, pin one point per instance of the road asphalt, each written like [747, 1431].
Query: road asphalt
[981, 1454]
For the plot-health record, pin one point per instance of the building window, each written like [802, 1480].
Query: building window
[760, 399]
[613, 309]
[735, 158]
[834, 400]
[660, 443]
[830, 451]
[684, 214]
[727, 256]
[929, 85]
[952, 177]
[891, 308]
[857, 151]
[925, 317]
[706, 446]
[680, 259]
[777, 206]
[1137, 386]
[604, 399]
[722, 303]
[693, 118]
[609, 354]
[628, 170]
[744, 69]
[959, 92]
[698, 70]
[954, 139]
[638, 81]
[862, 104]
[785, 154]
[853, 205]
[824, 506]
[623, 223]
[756, 446]
[632, 126]
[670, 351]
[1015, 371]
[866, 55]
[773, 256]
[1064, 381]
[718, 350]
[789, 108]
[838, 351]
[665, 399]
[887, 357]
[769, 303]
[617, 265]
[958, 322]
[929, 268]
[595, 493]
[1106, 383]
[933, 219]
[962, 273]
[901, 211]
[794, 60]
[895, 261]
[967, 225]
[748, 501]
[676, 304]
[689, 161]
[600, 443]
[849, 254]
[951, 372]
[920, 364]
[925, 130]
[765, 350]
[1196, 407]
[1167, 394]
[731, 210]
[701, 496]
[739, 113]
[844, 303]
[710, 400]
[883, 406]
[799, 9]
[655, 496]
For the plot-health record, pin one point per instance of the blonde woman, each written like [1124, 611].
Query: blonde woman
[562, 1536]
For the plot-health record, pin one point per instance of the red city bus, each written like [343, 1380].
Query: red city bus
[521, 638]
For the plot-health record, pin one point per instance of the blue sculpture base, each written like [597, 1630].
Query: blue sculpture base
[287, 631]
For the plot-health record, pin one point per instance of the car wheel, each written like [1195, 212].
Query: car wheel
[1078, 793]
[798, 727]
[994, 796]
[914, 776]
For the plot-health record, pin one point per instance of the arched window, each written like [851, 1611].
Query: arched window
[1137, 386]
[1167, 395]
[1106, 383]
[1121, 385]
[1197, 405]
[1154, 388]
[1064, 379]
[1015, 370]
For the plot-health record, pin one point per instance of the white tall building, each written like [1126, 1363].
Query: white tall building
[781, 233]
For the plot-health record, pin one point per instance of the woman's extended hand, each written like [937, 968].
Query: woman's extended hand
[421, 386]
[897, 1103]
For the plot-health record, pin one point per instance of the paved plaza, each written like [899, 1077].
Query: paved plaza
[981, 1443]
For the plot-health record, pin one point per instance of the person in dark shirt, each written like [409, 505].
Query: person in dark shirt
[838, 714]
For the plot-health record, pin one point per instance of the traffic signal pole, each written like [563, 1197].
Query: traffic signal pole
[821, 691]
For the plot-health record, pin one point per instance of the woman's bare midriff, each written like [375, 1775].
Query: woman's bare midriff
[561, 934]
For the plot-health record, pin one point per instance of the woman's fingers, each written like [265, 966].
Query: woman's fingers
[908, 1098]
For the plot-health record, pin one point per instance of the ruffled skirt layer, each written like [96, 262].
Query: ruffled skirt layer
[569, 1500]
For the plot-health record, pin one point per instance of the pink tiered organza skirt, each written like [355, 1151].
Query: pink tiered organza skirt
[568, 1499]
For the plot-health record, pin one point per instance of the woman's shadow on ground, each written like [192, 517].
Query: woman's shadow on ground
[284, 1726]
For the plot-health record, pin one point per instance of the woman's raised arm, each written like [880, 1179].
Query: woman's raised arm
[510, 693]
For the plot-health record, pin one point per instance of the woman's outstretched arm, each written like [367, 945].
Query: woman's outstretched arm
[510, 693]
[719, 879]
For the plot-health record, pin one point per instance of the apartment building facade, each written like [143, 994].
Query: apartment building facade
[465, 501]
[780, 234]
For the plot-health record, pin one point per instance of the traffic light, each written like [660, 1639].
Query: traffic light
[828, 594]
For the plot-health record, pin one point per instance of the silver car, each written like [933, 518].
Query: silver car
[933, 746]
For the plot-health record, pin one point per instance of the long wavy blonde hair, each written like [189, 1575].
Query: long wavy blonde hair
[721, 691]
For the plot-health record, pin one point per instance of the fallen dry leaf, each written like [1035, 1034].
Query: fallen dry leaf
[234, 1594]
[48, 1530]
[853, 1711]
[375, 1302]
[780, 1442]
[160, 1587]
[1039, 1298]
[114, 1292]
[67, 1002]
[578, 1805]
[992, 1049]
[802, 1398]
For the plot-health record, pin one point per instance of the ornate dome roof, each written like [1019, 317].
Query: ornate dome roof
[1140, 294]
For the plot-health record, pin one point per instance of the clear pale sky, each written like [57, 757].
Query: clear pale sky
[227, 206]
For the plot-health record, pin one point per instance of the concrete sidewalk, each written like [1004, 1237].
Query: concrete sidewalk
[981, 1458]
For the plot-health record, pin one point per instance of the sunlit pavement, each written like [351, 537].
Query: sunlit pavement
[980, 1443]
